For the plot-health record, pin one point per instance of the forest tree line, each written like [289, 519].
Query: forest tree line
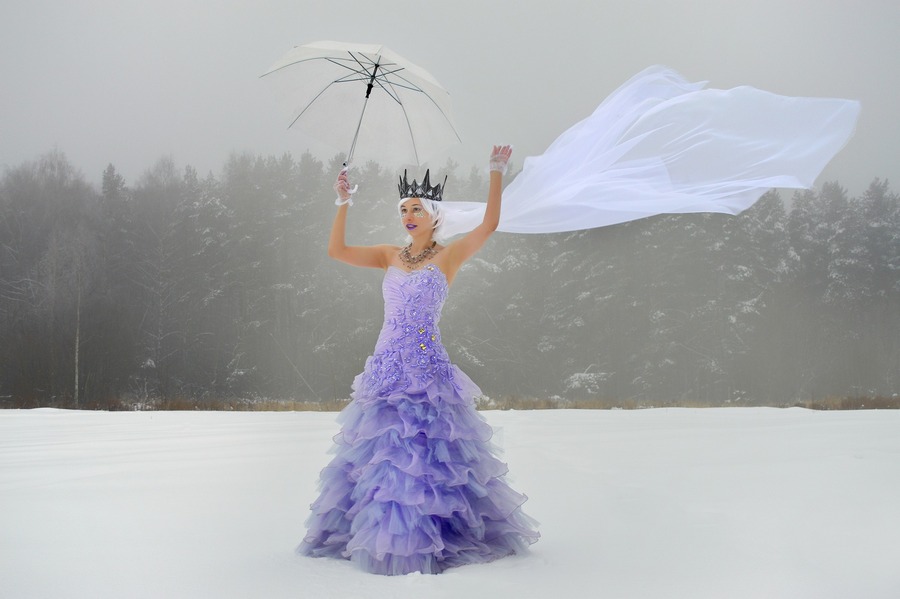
[218, 288]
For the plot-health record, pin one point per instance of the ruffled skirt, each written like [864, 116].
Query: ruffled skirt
[415, 485]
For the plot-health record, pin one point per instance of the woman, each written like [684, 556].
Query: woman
[415, 486]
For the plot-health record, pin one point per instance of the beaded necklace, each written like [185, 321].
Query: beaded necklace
[412, 261]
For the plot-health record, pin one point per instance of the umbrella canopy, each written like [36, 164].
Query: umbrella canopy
[367, 99]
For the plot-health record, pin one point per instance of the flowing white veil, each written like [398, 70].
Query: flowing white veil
[660, 145]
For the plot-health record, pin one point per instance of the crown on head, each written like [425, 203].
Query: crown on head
[424, 191]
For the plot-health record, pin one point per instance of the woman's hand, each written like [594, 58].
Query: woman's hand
[342, 186]
[500, 158]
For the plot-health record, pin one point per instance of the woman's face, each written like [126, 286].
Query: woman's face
[415, 219]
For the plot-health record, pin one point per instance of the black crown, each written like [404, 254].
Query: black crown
[424, 191]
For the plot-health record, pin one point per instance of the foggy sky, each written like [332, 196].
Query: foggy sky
[125, 82]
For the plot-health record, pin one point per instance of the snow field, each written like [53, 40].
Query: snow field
[693, 503]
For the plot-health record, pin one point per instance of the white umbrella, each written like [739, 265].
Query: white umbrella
[366, 97]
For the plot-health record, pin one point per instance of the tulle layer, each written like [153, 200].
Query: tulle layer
[408, 375]
[415, 485]
[439, 411]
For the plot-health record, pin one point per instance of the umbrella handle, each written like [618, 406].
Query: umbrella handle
[339, 201]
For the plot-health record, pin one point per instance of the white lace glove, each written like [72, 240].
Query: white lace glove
[342, 188]
[500, 158]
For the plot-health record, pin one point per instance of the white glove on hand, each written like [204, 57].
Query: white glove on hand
[342, 188]
[500, 158]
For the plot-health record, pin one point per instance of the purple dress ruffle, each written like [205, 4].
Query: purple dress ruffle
[415, 485]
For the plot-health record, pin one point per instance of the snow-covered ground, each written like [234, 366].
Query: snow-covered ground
[665, 503]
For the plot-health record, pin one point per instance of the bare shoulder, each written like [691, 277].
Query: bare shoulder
[388, 253]
[391, 254]
[446, 262]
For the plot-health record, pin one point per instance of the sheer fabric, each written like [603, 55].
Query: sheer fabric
[662, 145]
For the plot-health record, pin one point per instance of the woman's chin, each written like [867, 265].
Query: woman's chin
[416, 233]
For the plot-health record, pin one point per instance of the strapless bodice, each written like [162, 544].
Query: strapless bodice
[409, 349]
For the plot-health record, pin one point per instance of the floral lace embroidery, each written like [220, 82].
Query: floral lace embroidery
[409, 349]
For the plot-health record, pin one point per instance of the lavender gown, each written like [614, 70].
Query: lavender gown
[414, 486]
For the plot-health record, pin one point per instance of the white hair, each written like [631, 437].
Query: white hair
[434, 211]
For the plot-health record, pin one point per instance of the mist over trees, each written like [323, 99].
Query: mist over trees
[214, 288]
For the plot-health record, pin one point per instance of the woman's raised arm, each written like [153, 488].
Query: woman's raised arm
[464, 248]
[374, 256]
